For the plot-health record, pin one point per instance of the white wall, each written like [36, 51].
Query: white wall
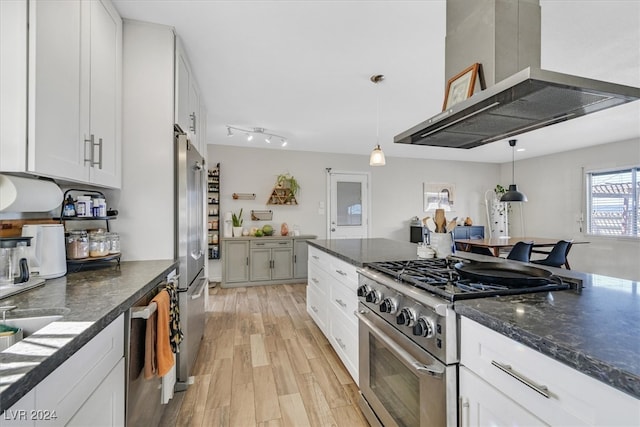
[554, 185]
[396, 188]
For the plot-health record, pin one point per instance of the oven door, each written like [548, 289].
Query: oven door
[402, 384]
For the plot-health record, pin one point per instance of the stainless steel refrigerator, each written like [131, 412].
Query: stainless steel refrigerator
[191, 252]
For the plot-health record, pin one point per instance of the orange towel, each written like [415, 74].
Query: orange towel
[158, 355]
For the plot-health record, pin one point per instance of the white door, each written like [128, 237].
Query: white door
[348, 205]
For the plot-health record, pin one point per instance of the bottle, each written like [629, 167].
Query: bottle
[69, 207]
[83, 207]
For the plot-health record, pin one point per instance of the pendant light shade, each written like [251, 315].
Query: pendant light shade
[513, 195]
[377, 156]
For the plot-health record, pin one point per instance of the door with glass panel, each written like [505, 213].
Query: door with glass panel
[348, 206]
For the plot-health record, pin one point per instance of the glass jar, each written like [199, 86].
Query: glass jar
[113, 239]
[77, 245]
[98, 245]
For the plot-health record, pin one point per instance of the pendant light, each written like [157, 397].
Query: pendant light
[513, 195]
[377, 156]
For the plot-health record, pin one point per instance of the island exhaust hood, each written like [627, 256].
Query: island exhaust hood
[504, 37]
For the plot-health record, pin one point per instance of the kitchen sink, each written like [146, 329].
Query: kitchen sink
[31, 320]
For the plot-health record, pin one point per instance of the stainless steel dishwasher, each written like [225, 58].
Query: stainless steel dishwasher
[144, 396]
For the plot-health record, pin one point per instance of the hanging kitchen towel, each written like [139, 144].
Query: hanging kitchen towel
[150, 367]
[164, 354]
[176, 335]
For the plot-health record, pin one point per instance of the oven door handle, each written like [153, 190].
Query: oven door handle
[432, 370]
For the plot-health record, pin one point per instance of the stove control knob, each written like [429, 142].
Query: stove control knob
[373, 296]
[407, 317]
[363, 290]
[388, 306]
[423, 327]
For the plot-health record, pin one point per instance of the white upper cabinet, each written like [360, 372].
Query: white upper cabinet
[189, 114]
[73, 106]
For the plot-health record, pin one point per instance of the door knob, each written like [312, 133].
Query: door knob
[333, 229]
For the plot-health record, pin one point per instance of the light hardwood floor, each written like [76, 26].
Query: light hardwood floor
[264, 362]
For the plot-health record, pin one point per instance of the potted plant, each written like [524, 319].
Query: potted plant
[236, 221]
[286, 180]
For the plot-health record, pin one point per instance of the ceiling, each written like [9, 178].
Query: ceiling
[301, 69]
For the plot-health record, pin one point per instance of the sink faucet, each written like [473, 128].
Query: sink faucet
[4, 310]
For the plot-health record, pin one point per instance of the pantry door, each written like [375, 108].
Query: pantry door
[348, 201]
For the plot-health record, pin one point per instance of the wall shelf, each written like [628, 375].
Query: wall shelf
[244, 196]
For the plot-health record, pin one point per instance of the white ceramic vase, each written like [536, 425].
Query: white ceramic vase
[237, 231]
[498, 217]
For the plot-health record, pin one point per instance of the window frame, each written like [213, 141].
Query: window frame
[634, 197]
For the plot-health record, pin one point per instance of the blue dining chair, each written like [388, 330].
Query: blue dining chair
[481, 250]
[558, 255]
[521, 251]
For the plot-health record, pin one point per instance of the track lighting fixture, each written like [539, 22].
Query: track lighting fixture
[377, 156]
[256, 131]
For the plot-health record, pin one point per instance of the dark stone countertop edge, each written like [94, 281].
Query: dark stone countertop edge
[602, 371]
[34, 376]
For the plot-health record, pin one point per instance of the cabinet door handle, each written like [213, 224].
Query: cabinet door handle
[507, 369]
[192, 116]
[295, 258]
[99, 163]
[247, 260]
[91, 144]
[341, 303]
[342, 273]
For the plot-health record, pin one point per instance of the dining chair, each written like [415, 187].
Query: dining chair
[481, 250]
[558, 255]
[521, 251]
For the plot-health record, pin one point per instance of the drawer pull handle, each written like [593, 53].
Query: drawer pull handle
[341, 303]
[314, 280]
[315, 257]
[507, 369]
[340, 343]
[313, 307]
[341, 272]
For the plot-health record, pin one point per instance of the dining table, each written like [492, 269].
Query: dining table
[496, 244]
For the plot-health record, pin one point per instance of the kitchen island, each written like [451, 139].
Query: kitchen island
[89, 301]
[594, 330]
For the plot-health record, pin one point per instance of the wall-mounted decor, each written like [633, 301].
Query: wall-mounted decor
[285, 190]
[462, 85]
[438, 196]
[244, 196]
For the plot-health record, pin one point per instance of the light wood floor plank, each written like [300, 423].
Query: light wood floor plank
[243, 411]
[264, 362]
[267, 407]
[293, 412]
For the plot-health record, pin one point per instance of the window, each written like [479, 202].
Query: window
[613, 202]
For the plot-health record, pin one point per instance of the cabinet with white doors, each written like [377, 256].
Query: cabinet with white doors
[331, 301]
[70, 82]
[87, 389]
[190, 113]
[503, 382]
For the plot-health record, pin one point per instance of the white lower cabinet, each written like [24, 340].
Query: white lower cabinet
[484, 405]
[331, 301]
[503, 382]
[87, 389]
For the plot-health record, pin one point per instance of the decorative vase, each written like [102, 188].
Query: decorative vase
[237, 231]
[498, 218]
[284, 229]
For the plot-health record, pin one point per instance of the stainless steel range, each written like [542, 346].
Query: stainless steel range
[408, 332]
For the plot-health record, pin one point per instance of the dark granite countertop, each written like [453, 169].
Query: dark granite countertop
[595, 331]
[359, 252]
[90, 300]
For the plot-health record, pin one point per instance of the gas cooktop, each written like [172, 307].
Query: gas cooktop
[440, 277]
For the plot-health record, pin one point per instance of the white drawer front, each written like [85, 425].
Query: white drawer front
[319, 279]
[344, 300]
[344, 339]
[574, 398]
[346, 273]
[317, 308]
[319, 258]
